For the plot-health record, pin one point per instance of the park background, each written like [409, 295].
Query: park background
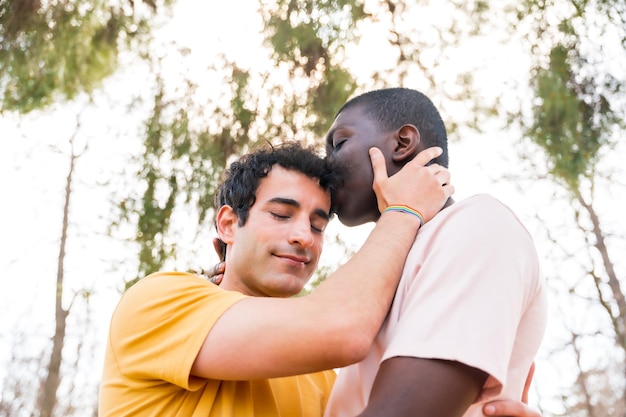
[117, 118]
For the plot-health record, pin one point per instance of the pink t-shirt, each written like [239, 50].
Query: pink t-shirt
[471, 291]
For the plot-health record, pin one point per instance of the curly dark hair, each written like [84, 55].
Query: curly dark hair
[241, 179]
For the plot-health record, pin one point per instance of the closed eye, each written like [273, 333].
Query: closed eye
[338, 143]
[336, 139]
[318, 230]
[279, 216]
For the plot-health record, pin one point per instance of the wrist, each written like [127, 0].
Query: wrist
[401, 208]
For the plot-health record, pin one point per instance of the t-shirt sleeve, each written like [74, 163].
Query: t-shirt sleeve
[160, 324]
[468, 293]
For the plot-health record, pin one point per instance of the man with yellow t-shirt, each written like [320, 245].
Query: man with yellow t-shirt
[181, 346]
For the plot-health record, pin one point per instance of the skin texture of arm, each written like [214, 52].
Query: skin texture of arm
[407, 386]
[262, 337]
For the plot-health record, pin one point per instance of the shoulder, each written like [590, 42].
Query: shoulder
[171, 292]
[162, 304]
[159, 279]
[167, 281]
[482, 227]
[485, 215]
[162, 284]
[482, 202]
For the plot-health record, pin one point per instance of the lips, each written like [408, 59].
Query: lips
[295, 258]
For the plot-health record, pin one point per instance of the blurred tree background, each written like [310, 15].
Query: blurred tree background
[142, 129]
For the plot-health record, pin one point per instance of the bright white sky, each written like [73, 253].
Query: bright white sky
[34, 164]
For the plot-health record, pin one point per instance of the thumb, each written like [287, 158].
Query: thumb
[379, 165]
[427, 155]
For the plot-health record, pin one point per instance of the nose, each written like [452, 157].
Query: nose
[301, 234]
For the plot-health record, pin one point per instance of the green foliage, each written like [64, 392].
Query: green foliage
[577, 101]
[306, 36]
[181, 164]
[52, 51]
[330, 94]
[306, 33]
[569, 126]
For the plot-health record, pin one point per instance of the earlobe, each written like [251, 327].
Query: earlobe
[408, 143]
[226, 220]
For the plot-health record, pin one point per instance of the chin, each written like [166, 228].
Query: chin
[347, 221]
[355, 210]
[290, 287]
[352, 220]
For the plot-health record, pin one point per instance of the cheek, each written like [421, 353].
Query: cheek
[359, 182]
[355, 173]
[361, 167]
[317, 249]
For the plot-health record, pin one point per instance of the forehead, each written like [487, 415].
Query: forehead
[353, 119]
[354, 115]
[291, 184]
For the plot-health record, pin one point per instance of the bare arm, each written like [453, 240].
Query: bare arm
[408, 386]
[334, 326]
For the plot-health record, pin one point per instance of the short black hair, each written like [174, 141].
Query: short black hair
[241, 179]
[391, 108]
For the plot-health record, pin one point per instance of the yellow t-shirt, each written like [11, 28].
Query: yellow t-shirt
[155, 335]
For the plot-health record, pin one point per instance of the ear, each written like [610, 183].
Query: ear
[226, 221]
[408, 144]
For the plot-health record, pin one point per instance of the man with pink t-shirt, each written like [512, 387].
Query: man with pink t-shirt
[470, 310]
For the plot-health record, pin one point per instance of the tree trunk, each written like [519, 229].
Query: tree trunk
[618, 319]
[52, 380]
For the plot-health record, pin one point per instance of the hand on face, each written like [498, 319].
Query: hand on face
[423, 188]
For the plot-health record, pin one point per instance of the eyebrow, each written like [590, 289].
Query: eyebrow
[293, 203]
